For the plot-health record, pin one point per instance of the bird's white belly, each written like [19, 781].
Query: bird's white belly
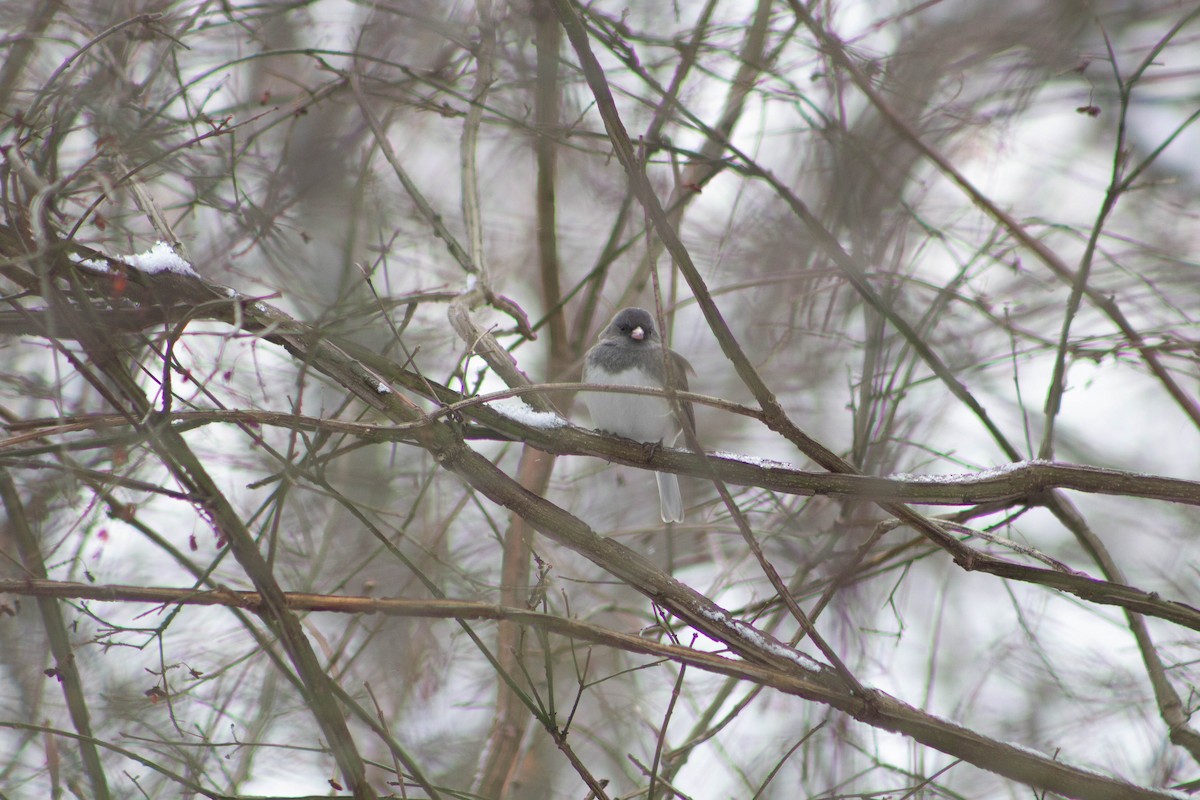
[639, 417]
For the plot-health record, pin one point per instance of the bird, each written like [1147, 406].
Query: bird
[631, 353]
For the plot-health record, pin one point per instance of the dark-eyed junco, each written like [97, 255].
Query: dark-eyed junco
[630, 353]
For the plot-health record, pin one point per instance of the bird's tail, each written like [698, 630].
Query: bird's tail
[670, 500]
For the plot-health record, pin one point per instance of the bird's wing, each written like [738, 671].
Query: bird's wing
[681, 370]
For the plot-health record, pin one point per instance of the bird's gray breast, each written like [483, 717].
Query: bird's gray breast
[639, 417]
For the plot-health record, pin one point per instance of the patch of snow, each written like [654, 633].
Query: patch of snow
[518, 410]
[754, 461]
[761, 641]
[968, 477]
[769, 645]
[93, 264]
[160, 258]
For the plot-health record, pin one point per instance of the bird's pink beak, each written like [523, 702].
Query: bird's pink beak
[637, 334]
